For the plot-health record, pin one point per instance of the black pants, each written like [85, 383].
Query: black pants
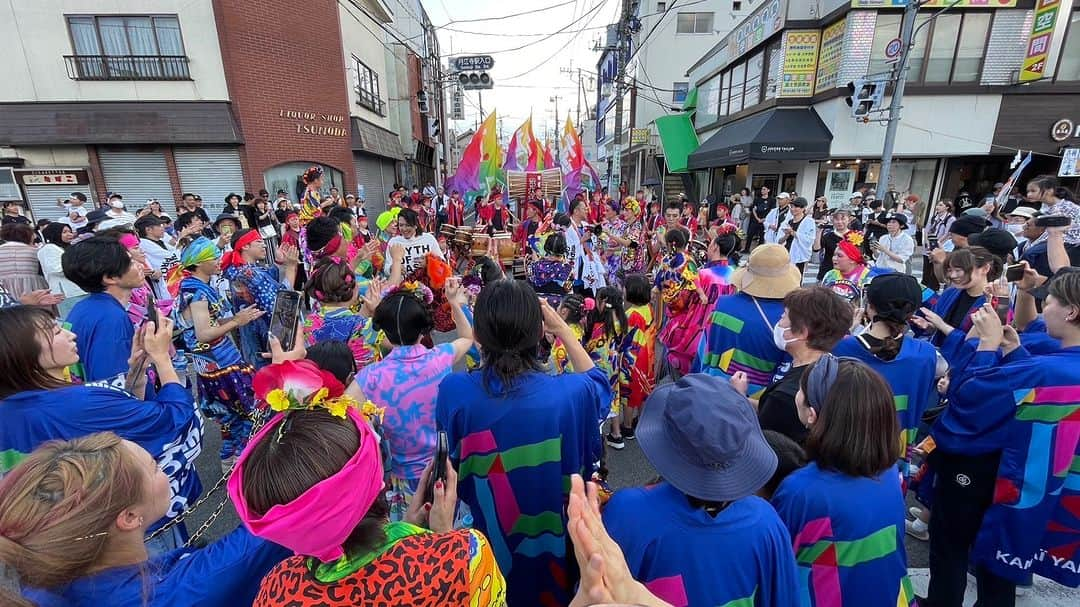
[963, 490]
[756, 230]
[801, 266]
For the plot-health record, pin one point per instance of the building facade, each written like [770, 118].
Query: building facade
[771, 104]
[210, 97]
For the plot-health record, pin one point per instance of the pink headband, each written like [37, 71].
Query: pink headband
[319, 521]
[130, 241]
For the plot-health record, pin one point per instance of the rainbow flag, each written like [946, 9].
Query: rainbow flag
[524, 153]
[481, 163]
[578, 174]
[549, 158]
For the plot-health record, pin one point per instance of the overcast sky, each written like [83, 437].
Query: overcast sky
[525, 79]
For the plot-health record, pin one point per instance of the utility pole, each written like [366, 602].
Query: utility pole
[907, 35]
[480, 94]
[622, 51]
[556, 100]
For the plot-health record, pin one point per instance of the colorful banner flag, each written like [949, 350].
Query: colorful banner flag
[521, 152]
[481, 163]
[549, 158]
[578, 174]
[1042, 37]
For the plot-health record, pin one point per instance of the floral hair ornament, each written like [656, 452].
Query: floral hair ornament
[313, 173]
[320, 520]
[589, 304]
[411, 287]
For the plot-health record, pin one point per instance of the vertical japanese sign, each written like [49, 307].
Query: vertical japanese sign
[1042, 35]
[800, 63]
[830, 56]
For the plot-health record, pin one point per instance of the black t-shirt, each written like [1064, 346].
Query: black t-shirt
[794, 228]
[960, 310]
[762, 206]
[776, 407]
[14, 219]
[829, 241]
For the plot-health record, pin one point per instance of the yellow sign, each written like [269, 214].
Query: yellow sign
[639, 136]
[935, 3]
[1039, 42]
[306, 126]
[830, 56]
[800, 63]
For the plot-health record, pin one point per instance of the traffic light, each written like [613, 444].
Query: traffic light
[422, 102]
[472, 81]
[864, 96]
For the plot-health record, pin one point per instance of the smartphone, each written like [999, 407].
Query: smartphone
[1014, 273]
[1053, 221]
[284, 318]
[438, 470]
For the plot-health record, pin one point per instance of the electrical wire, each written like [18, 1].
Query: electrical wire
[560, 31]
[564, 47]
[510, 16]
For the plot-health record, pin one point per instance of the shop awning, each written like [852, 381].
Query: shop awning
[120, 122]
[373, 139]
[776, 134]
[678, 138]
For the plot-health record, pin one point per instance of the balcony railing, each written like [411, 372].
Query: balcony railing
[127, 67]
[369, 100]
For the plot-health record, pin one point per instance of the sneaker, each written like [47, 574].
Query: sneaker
[615, 442]
[917, 529]
[915, 512]
[627, 433]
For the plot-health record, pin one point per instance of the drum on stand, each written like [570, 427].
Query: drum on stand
[463, 237]
[448, 231]
[505, 247]
[480, 243]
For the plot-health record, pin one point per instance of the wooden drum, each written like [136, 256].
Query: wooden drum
[448, 231]
[505, 247]
[463, 236]
[480, 241]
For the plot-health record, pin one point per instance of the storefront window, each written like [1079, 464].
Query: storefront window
[738, 74]
[943, 47]
[708, 102]
[772, 70]
[918, 50]
[755, 68]
[887, 28]
[969, 52]
[289, 177]
[1069, 69]
[725, 93]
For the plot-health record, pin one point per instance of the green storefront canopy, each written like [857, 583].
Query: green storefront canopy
[679, 140]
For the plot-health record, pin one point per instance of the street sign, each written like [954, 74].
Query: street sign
[474, 62]
[892, 50]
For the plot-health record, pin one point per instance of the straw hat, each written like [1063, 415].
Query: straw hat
[769, 273]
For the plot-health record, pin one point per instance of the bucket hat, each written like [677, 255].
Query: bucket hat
[769, 273]
[703, 437]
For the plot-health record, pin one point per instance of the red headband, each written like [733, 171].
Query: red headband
[853, 253]
[329, 248]
[233, 258]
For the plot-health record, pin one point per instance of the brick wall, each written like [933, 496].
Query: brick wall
[286, 56]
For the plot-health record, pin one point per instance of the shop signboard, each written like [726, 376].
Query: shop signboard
[830, 56]
[639, 136]
[1043, 27]
[1070, 163]
[935, 3]
[767, 20]
[838, 187]
[800, 63]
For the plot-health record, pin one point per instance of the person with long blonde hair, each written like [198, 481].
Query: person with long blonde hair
[72, 519]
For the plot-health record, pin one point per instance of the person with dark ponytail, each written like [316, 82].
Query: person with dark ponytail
[909, 365]
[606, 326]
[552, 275]
[405, 381]
[677, 283]
[574, 310]
[516, 434]
[1046, 194]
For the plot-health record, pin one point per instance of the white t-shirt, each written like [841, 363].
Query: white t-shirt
[162, 258]
[415, 250]
[902, 244]
[80, 211]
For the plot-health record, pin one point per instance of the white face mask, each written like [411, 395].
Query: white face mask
[778, 337]
[1014, 228]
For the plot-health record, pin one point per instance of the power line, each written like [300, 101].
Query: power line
[567, 45]
[560, 31]
[510, 16]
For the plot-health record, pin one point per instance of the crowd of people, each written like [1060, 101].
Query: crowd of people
[437, 427]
